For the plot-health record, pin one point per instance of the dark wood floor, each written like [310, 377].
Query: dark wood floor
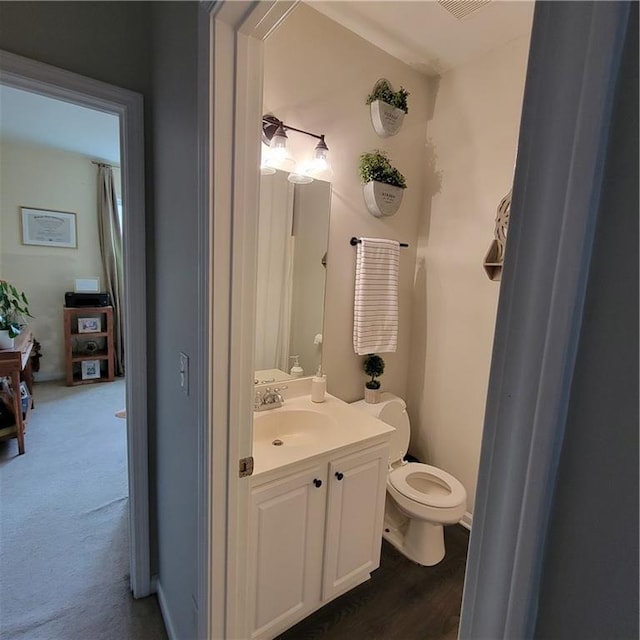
[402, 601]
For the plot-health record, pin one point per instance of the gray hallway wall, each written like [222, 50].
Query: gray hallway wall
[108, 41]
[175, 162]
[589, 586]
[151, 48]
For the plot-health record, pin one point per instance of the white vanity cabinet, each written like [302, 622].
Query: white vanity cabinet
[286, 540]
[355, 516]
[314, 533]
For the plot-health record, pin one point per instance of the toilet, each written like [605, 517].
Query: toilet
[420, 498]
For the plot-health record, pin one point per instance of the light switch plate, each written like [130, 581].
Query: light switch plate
[183, 372]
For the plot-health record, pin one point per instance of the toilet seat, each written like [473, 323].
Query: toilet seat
[402, 478]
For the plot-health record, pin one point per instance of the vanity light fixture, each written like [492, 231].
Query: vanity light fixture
[276, 155]
[266, 161]
[279, 139]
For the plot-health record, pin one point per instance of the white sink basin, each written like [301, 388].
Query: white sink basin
[291, 428]
[301, 429]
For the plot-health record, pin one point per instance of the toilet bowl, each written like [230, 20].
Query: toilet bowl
[420, 498]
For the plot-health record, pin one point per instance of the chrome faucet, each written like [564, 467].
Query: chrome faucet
[270, 399]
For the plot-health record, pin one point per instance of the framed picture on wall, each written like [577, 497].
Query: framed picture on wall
[90, 369]
[48, 228]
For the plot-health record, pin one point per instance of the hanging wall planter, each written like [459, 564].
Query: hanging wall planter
[384, 185]
[386, 119]
[382, 199]
[388, 108]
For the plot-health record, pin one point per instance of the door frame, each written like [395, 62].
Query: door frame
[571, 82]
[539, 315]
[230, 56]
[36, 77]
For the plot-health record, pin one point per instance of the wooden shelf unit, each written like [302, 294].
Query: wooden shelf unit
[15, 364]
[73, 337]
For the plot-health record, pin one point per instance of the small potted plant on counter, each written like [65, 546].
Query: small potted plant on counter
[373, 366]
[383, 184]
[388, 108]
[14, 307]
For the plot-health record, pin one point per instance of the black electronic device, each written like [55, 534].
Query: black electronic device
[72, 299]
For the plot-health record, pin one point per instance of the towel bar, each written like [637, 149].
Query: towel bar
[354, 241]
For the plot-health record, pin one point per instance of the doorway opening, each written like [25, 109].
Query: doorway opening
[313, 111]
[71, 142]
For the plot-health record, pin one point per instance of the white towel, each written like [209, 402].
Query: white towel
[375, 312]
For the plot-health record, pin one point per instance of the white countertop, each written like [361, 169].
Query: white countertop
[346, 426]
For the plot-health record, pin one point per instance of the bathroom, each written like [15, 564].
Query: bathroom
[458, 161]
[457, 150]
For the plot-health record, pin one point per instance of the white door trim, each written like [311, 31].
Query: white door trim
[234, 60]
[36, 77]
[575, 52]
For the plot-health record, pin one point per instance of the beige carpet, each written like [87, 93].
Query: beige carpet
[63, 523]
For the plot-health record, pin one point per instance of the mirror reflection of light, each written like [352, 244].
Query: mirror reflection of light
[277, 154]
[321, 170]
[277, 158]
[301, 174]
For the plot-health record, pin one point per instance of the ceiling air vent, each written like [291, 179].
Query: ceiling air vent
[460, 9]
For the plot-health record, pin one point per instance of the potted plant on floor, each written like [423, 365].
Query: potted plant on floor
[373, 366]
[14, 307]
[383, 183]
[388, 108]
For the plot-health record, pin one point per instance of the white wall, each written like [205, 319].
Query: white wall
[472, 143]
[317, 76]
[44, 178]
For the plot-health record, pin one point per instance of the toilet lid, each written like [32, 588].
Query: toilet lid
[448, 492]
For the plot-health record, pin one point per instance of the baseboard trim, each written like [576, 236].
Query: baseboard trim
[467, 520]
[48, 376]
[164, 610]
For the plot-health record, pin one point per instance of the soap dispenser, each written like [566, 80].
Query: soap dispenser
[318, 386]
[296, 371]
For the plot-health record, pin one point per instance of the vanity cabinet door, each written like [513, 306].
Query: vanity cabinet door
[286, 542]
[355, 515]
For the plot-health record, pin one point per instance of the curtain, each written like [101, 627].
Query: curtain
[110, 236]
[275, 267]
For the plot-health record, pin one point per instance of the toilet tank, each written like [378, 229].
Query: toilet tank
[392, 410]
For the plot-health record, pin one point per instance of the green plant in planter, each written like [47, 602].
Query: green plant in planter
[375, 166]
[14, 307]
[373, 366]
[383, 91]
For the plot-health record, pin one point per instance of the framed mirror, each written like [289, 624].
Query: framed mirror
[293, 232]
